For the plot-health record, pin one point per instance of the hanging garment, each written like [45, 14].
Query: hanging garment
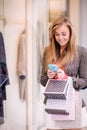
[4, 78]
[21, 65]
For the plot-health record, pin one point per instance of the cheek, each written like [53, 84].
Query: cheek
[56, 38]
[67, 37]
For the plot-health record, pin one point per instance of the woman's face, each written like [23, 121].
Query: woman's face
[62, 35]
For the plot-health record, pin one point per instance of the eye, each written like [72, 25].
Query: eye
[56, 34]
[64, 34]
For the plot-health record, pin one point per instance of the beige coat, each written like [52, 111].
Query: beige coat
[21, 66]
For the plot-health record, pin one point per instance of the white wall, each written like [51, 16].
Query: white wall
[15, 108]
[83, 23]
[74, 14]
[36, 26]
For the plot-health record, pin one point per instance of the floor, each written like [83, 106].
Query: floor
[56, 129]
[84, 128]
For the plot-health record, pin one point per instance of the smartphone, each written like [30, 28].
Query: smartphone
[53, 67]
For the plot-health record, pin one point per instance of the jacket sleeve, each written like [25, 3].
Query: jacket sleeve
[21, 66]
[81, 81]
[21, 63]
[43, 77]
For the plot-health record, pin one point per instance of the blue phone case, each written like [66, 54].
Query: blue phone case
[53, 67]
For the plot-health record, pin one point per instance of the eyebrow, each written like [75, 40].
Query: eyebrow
[58, 33]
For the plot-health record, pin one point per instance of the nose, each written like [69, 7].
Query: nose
[60, 37]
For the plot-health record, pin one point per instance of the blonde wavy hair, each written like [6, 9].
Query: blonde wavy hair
[52, 52]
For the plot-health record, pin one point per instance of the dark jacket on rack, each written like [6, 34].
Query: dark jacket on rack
[4, 78]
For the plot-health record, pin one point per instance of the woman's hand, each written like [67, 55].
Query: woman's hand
[51, 74]
[60, 74]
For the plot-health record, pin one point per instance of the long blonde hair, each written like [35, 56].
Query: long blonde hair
[52, 52]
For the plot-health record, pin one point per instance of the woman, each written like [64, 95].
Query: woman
[63, 51]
